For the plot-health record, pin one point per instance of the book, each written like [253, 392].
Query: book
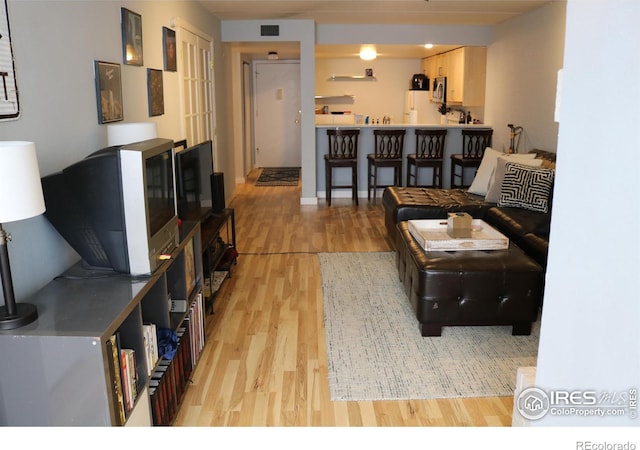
[128, 364]
[189, 267]
[114, 369]
[126, 382]
[151, 346]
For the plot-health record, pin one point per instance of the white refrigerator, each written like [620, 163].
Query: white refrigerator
[418, 109]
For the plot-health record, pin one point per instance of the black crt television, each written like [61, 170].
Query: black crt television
[117, 207]
[194, 169]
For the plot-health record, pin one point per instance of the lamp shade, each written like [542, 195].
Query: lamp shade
[128, 133]
[20, 186]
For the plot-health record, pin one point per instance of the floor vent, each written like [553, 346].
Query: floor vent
[269, 30]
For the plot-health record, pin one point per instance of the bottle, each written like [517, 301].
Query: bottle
[469, 117]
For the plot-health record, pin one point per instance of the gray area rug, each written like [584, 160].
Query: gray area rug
[279, 176]
[375, 350]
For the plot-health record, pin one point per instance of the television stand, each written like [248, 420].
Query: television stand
[219, 254]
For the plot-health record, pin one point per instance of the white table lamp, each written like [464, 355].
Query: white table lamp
[20, 198]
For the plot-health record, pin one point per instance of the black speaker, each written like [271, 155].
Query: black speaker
[217, 192]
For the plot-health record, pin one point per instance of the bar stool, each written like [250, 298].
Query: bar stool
[474, 142]
[429, 153]
[343, 152]
[387, 153]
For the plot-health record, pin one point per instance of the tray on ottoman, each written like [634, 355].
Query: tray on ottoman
[432, 235]
[477, 287]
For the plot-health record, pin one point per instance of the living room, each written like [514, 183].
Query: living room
[59, 115]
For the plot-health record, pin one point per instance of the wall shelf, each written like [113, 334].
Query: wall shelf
[351, 78]
[336, 97]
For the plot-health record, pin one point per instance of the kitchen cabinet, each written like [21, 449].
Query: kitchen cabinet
[465, 69]
[429, 68]
[466, 76]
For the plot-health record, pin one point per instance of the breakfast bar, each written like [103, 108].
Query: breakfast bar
[453, 145]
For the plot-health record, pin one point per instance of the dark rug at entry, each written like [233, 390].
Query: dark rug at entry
[279, 176]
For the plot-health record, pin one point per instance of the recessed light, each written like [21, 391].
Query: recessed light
[428, 45]
[368, 53]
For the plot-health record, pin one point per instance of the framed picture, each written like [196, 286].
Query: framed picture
[108, 91]
[9, 105]
[169, 48]
[155, 89]
[131, 37]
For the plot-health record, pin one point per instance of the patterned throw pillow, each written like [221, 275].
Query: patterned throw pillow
[526, 187]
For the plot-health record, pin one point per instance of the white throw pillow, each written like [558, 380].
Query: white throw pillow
[480, 183]
[484, 174]
[495, 185]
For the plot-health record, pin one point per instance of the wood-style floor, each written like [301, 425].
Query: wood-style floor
[265, 360]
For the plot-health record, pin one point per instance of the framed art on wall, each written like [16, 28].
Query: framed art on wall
[131, 37]
[9, 106]
[155, 90]
[108, 91]
[169, 49]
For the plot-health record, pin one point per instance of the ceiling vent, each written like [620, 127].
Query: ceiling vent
[269, 30]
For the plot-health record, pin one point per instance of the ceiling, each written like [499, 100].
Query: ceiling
[399, 12]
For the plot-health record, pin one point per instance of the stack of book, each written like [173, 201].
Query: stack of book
[169, 381]
[150, 337]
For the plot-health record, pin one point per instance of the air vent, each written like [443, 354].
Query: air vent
[269, 30]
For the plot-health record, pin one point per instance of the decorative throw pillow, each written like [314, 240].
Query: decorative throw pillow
[480, 184]
[495, 185]
[526, 187]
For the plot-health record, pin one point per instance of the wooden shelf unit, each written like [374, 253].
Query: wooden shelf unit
[60, 369]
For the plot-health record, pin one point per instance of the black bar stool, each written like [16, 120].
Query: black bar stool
[343, 152]
[387, 153]
[474, 143]
[429, 153]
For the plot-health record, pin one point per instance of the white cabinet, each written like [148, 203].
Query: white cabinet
[465, 69]
[466, 76]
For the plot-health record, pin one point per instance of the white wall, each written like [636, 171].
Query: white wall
[590, 337]
[372, 98]
[522, 62]
[55, 44]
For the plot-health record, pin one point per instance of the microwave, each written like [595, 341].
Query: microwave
[439, 90]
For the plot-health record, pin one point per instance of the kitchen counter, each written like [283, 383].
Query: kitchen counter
[405, 125]
[453, 144]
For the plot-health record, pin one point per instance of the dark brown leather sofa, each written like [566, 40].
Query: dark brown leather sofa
[529, 230]
[470, 288]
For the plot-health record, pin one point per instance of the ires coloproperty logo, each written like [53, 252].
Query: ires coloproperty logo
[534, 403]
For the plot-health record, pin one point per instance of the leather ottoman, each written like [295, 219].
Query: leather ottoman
[470, 287]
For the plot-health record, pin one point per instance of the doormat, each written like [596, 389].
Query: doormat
[279, 176]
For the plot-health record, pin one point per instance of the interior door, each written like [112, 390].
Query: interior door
[277, 114]
[197, 87]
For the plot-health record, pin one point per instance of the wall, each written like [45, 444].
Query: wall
[522, 62]
[54, 68]
[385, 96]
[590, 338]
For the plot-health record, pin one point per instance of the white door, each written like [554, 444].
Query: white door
[277, 114]
[197, 90]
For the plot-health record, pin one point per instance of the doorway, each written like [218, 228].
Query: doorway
[277, 114]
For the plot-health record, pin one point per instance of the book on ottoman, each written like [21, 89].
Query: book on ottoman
[432, 235]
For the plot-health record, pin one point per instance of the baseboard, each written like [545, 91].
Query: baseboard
[346, 193]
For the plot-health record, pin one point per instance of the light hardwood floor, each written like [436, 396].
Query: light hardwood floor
[265, 362]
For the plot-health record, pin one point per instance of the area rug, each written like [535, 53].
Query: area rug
[279, 176]
[376, 352]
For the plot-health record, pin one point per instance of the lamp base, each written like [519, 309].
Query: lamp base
[25, 314]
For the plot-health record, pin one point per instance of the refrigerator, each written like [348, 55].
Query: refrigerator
[418, 109]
